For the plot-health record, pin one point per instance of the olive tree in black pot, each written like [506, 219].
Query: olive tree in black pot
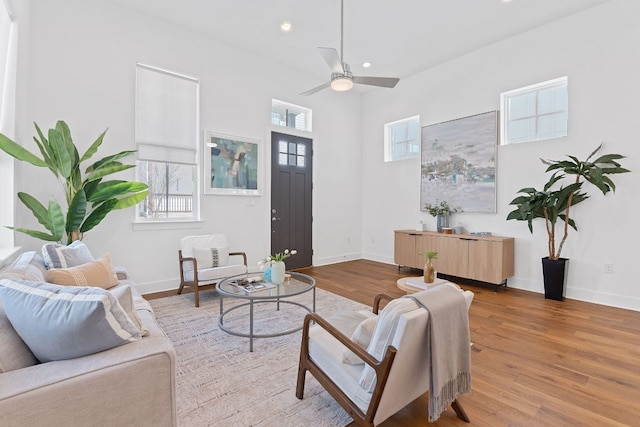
[554, 205]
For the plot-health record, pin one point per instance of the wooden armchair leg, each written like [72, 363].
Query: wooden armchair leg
[182, 284]
[457, 407]
[300, 385]
[197, 296]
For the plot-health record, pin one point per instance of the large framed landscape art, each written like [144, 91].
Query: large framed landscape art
[459, 163]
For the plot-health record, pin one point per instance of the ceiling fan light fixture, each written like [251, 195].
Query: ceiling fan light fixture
[285, 27]
[341, 77]
[341, 84]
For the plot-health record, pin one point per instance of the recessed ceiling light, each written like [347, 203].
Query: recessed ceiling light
[366, 64]
[285, 26]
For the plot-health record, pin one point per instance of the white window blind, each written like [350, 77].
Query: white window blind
[167, 140]
[166, 115]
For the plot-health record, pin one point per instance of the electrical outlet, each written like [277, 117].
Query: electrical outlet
[608, 268]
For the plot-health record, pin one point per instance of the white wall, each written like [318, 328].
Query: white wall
[77, 63]
[598, 51]
[81, 68]
[7, 127]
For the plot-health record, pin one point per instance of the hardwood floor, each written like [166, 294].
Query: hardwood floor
[535, 362]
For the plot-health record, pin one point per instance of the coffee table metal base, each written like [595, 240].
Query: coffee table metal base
[251, 335]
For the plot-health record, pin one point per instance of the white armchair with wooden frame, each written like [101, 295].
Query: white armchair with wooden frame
[394, 359]
[205, 260]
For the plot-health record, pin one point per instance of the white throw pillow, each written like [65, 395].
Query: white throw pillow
[29, 265]
[125, 297]
[361, 336]
[383, 336]
[60, 256]
[211, 257]
[65, 322]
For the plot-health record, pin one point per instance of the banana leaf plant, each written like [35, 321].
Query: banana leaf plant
[555, 204]
[88, 199]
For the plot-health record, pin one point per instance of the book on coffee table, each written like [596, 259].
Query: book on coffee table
[418, 282]
[253, 286]
[249, 280]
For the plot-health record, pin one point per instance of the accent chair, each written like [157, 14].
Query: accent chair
[205, 261]
[373, 377]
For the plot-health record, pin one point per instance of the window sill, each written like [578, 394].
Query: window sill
[166, 225]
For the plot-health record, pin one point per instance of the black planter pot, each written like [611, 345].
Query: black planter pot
[554, 272]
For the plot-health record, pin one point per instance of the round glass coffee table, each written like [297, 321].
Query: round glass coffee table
[263, 292]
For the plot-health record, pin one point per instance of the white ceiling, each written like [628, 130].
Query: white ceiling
[399, 37]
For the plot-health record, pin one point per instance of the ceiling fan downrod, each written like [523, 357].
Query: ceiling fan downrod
[342, 32]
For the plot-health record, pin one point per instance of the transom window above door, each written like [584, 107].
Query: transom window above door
[290, 115]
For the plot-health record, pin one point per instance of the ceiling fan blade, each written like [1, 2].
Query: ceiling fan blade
[377, 81]
[332, 59]
[316, 89]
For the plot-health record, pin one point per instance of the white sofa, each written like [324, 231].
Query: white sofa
[129, 385]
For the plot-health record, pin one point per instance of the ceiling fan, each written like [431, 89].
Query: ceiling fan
[341, 77]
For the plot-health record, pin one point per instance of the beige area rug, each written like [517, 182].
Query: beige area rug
[220, 383]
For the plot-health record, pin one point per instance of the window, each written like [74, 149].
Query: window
[535, 112]
[8, 71]
[167, 142]
[6, 28]
[289, 115]
[291, 154]
[402, 139]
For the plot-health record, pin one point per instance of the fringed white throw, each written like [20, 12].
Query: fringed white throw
[448, 345]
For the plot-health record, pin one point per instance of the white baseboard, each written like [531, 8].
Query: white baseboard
[619, 301]
[173, 283]
[159, 286]
[336, 259]
[379, 258]
[525, 285]
[626, 302]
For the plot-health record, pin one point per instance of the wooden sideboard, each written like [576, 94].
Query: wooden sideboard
[484, 258]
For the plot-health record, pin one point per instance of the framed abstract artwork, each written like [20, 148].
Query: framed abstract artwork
[232, 165]
[459, 163]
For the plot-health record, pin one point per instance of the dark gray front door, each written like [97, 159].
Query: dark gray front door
[291, 188]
